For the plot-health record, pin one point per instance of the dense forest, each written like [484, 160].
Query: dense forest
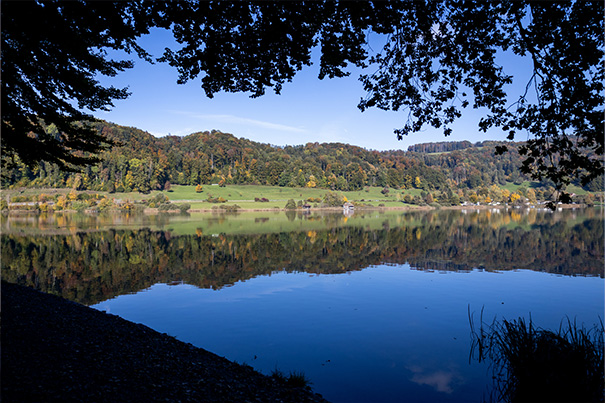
[90, 267]
[142, 162]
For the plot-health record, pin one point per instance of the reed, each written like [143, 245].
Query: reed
[531, 364]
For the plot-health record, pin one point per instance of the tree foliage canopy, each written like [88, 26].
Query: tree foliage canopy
[51, 54]
[438, 58]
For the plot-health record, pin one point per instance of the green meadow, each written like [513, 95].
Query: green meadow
[512, 187]
[244, 195]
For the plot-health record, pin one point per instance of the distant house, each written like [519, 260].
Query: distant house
[306, 207]
[348, 208]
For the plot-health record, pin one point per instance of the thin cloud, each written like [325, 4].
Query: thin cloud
[242, 121]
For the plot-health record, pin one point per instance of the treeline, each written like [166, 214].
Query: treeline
[90, 267]
[440, 147]
[143, 163]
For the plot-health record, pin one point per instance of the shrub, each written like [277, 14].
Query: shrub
[104, 204]
[291, 204]
[332, 199]
[216, 199]
[183, 208]
[158, 199]
[232, 208]
[79, 206]
[164, 206]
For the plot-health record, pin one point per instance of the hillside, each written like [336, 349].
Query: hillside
[144, 163]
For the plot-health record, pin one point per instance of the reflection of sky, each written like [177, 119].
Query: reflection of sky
[386, 333]
[440, 380]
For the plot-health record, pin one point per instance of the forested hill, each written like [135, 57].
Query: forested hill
[143, 163]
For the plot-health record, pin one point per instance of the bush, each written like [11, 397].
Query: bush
[231, 209]
[216, 200]
[332, 199]
[79, 206]
[158, 199]
[105, 204]
[183, 208]
[291, 204]
[164, 206]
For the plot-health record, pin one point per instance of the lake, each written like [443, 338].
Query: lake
[371, 308]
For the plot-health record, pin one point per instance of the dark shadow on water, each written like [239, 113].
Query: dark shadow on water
[531, 364]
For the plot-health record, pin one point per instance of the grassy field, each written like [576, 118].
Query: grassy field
[511, 187]
[244, 195]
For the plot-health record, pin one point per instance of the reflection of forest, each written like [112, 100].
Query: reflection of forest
[89, 267]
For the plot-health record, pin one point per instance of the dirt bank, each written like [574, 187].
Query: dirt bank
[54, 350]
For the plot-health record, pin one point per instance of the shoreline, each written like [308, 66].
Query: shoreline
[58, 350]
[156, 211]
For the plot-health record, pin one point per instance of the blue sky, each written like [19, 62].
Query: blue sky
[308, 109]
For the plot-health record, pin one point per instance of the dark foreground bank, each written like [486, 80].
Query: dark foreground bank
[57, 350]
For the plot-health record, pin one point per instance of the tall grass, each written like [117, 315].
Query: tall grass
[531, 364]
[294, 380]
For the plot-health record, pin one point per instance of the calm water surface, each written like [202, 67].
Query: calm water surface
[374, 307]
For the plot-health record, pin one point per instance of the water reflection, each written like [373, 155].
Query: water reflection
[440, 380]
[79, 258]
